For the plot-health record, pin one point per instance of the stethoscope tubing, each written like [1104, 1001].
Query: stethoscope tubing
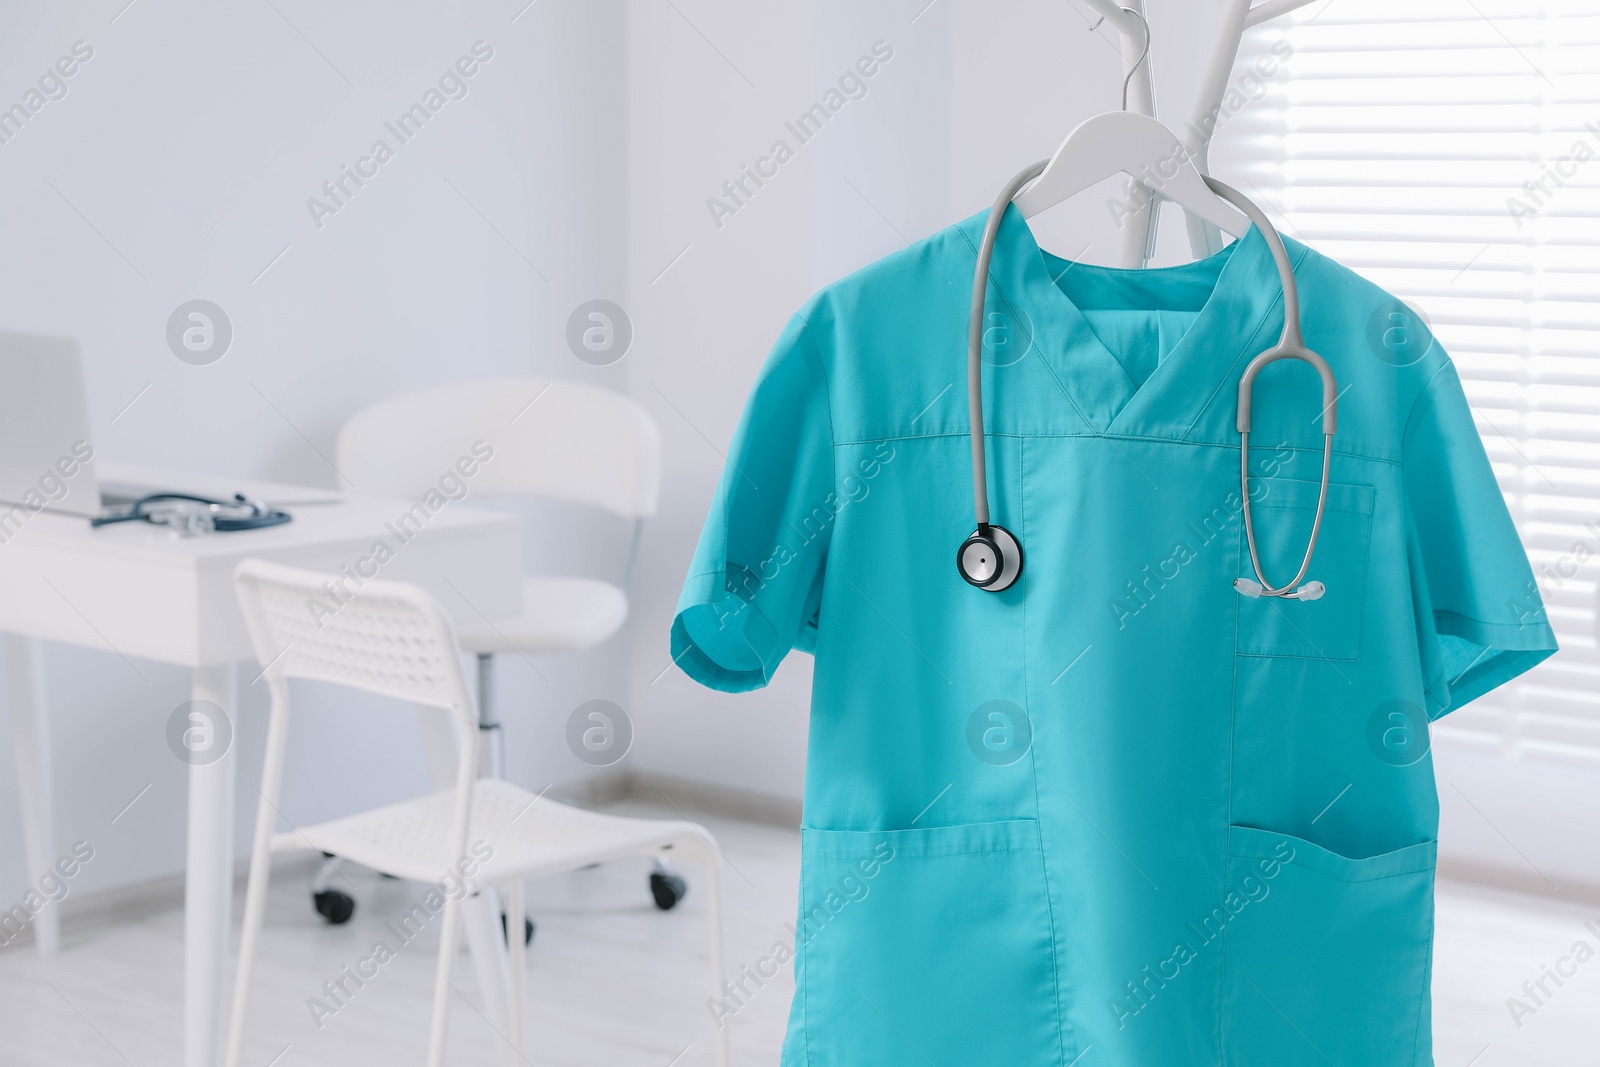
[259, 515]
[980, 290]
[1291, 345]
[1286, 590]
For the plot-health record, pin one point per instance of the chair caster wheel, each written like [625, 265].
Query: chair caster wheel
[334, 906]
[667, 889]
[527, 928]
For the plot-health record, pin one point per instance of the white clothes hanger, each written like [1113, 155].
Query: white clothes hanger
[1235, 17]
[1137, 145]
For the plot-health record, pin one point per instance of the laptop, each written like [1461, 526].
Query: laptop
[46, 453]
[47, 460]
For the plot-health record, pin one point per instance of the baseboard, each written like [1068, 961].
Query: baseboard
[100, 907]
[1517, 880]
[691, 794]
[745, 804]
[594, 791]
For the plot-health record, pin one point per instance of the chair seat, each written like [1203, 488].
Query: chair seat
[527, 836]
[558, 615]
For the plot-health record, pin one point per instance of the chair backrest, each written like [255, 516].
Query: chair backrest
[549, 439]
[388, 638]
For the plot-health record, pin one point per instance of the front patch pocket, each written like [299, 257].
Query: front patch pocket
[1329, 628]
[918, 946]
[1327, 959]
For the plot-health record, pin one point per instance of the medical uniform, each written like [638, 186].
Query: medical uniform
[1117, 814]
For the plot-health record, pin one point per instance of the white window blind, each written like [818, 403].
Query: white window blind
[1400, 139]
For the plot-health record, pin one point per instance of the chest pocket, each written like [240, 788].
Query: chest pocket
[1328, 628]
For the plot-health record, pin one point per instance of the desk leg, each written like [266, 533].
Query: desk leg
[208, 887]
[30, 731]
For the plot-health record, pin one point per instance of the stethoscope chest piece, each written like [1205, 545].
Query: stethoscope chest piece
[990, 559]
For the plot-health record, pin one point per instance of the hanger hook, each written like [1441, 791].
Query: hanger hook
[1144, 55]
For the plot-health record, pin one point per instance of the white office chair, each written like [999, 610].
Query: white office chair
[551, 440]
[395, 640]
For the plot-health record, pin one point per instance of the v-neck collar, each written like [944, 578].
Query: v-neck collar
[1093, 379]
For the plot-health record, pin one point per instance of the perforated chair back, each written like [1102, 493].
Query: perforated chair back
[523, 437]
[388, 638]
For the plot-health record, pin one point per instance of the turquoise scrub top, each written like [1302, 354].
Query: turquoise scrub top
[1118, 814]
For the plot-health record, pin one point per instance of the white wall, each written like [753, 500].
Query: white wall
[707, 302]
[184, 153]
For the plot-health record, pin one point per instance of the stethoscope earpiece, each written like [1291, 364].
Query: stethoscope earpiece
[1253, 589]
[990, 559]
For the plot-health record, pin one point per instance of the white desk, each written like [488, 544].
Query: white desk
[139, 591]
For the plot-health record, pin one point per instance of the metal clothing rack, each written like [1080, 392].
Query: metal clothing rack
[1127, 17]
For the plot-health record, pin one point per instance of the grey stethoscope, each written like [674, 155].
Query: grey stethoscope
[991, 558]
[191, 515]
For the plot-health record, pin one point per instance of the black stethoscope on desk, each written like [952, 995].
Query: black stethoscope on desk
[991, 558]
[191, 515]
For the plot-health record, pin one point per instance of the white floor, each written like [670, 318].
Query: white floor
[613, 981]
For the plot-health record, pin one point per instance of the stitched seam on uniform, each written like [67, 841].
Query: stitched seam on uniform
[1233, 729]
[940, 853]
[729, 671]
[727, 509]
[1366, 582]
[1330, 509]
[833, 465]
[1481, 622]
[1033, 762]
[803, 954]
[1317, 657]
[1439, 690]
[1427, 974]
[1243, 348]
[822, 371]
[1422, 394]
[1060, 385]
[1405, 432]
[827, 396]
[1107, 436]
[1361, 609]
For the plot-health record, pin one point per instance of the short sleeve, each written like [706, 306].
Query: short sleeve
[1480, 619]
[754, 588]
